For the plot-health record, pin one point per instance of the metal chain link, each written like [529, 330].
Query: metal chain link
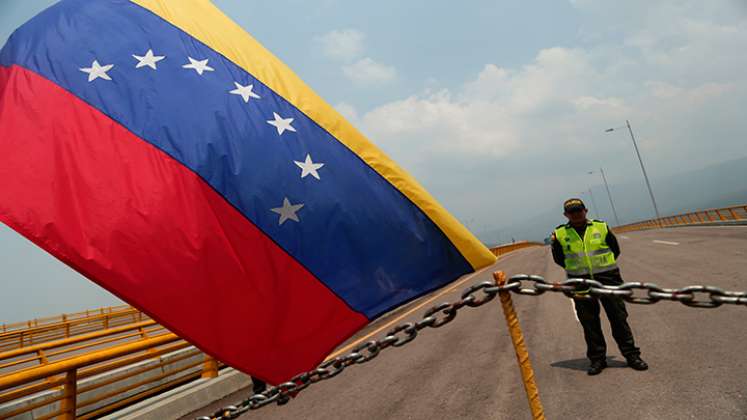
[474, 296]
[714, 296]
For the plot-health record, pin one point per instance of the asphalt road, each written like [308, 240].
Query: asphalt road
[467, 369]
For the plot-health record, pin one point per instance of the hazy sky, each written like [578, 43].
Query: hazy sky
[497, 107]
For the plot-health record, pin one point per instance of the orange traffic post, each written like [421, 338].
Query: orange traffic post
[522, 355]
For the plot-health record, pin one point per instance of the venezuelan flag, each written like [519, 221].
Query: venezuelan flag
[162, 152]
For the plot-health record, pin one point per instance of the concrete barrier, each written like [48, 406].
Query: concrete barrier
[185, 399]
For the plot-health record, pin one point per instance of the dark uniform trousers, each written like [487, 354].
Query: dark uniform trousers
[588, 314]
[258, 386]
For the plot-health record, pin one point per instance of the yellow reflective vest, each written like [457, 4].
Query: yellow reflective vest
[587, 256]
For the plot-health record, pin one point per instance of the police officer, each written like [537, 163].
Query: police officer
[588, 249]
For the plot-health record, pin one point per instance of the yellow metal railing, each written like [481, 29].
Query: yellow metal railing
[61, 318]
[701, 217]
[133, 356]
[56, 384]
[18, 337]
[27, 382]
[505, 249]
[44, 353]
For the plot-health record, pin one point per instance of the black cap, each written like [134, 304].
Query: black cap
[573, 204]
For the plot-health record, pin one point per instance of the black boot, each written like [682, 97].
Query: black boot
[596, 367]
[637, 363]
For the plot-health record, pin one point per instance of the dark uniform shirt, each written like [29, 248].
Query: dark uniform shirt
[609, 277]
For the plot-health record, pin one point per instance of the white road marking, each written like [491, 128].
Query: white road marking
[656, 241]
[624, 237]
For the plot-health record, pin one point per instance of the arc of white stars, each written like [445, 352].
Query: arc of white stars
[246, 92]
[281, 123]
[200, 66]
[97, 71]
[308, 167]
[287, 211]
[148, 60]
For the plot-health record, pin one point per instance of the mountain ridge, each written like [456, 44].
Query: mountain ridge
[717, 185]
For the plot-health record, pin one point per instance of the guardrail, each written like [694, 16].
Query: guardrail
[50, 351]
[61, 318]
[94, 321]
[506, 248]
[700, 217]
[100, 380]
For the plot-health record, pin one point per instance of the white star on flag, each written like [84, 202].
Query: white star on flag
[97, 71]
[149, 59]
[288, 211]
[200, 66]
[245, 91]
[281, 124]
[308, 167]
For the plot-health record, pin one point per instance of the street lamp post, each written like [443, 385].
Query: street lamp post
[609, 195]
[643, 168]
[594, 204]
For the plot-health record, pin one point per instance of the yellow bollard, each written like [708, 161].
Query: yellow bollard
[522, 355]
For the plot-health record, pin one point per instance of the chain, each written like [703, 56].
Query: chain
[474, 296]
[710, 296]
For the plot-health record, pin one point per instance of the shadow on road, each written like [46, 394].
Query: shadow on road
[583, 364]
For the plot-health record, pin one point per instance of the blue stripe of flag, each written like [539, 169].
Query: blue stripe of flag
[356, 233]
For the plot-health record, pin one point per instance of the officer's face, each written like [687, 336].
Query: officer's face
[576, 216]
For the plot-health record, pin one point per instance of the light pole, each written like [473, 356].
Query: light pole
[609, 195]
[593, 204]
[643, 168]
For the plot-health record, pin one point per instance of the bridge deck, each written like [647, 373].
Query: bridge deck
[467, 370]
